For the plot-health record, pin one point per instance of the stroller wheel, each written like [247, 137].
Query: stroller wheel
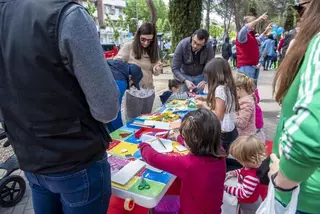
[12, 189]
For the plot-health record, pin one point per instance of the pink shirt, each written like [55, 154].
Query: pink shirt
[246, 116]
[259, 115]
[202, 179]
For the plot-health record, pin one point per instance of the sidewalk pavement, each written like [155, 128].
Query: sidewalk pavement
[269, 106]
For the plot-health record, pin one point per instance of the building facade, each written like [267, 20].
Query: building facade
[115, 11]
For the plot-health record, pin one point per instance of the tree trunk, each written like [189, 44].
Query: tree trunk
[100, 12]
[185, 18]
[208, 5]
[236, 9]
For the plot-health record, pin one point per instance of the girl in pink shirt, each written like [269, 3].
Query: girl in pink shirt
[202, 171]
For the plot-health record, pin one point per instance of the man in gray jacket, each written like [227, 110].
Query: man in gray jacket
[190, 58]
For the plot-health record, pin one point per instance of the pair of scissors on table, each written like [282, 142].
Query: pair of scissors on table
[143, 185]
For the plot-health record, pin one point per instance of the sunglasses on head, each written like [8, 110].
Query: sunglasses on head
[146, 40]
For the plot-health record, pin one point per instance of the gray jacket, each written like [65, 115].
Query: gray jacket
[183, 63]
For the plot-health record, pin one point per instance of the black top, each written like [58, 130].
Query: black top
[47, 118]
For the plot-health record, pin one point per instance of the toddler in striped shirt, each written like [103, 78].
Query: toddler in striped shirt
[250, 152]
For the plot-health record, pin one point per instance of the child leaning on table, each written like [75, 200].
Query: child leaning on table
[250, 152]
[202, 171]
[174, 92]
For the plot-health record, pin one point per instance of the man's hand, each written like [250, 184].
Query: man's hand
[201, 85]
[189, 84]
[269, 27]
[263, 18]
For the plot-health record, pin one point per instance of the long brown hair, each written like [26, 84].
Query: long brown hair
[219, 72]
[289, 68]
[148, 28]
[201, 131]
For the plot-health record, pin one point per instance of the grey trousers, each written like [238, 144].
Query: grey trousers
[136, 106]
[249, 208]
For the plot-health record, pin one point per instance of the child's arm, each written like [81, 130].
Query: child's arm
[220, 108]
[245, 190]
[172, 164]
[234, 173]
[244, 114]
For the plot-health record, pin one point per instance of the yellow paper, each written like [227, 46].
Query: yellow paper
[129, 184]
[174, 144]
[123, 146]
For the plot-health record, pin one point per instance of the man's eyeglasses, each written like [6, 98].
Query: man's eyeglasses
[144, 40]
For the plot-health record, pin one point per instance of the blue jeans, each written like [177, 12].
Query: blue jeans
[250, 71]
[117, 123]
[196, 80]
[85, 191]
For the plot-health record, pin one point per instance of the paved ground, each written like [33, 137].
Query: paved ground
[269, 107]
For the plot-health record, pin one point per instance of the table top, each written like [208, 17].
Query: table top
[124, 149]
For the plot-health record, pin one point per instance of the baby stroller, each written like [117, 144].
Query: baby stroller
[12, 187]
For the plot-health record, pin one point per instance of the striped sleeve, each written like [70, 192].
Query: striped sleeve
[300, 139]
[246, 189]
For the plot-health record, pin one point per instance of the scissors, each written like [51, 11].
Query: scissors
[143, 185]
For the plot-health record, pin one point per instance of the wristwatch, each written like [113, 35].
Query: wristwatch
[273, 177]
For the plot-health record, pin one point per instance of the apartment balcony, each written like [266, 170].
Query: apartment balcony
[116, 3]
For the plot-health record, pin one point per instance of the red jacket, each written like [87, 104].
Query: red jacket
[248, 53]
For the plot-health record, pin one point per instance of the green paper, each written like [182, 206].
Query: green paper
[117, 134]
[155, 188]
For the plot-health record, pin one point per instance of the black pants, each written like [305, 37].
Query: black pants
[227, 139]
[267, 62]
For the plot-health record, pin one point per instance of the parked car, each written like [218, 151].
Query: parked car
[110, 50]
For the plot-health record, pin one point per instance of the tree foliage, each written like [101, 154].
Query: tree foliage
[290, 19]
[91, 9]
[216, 31]
[143, 12]
[185, 18]
[225, 10]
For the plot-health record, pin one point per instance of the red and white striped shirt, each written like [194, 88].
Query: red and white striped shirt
[247, 190]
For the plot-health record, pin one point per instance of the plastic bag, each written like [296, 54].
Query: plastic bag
[268, 206]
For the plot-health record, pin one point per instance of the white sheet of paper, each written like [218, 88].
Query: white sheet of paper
[156, 145]
[157, 124]
[128, 172]
[181, 148]
[153, 168]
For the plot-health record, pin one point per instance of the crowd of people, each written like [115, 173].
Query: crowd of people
[61, 98]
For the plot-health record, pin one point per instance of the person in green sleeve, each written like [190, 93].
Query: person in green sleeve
[296, 158]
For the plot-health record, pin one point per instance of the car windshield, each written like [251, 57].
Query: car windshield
[107, 47]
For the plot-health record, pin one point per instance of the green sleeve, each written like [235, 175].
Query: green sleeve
[300, 140]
